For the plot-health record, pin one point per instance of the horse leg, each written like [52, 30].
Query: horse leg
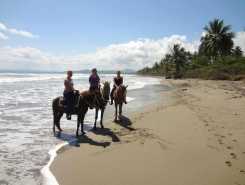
[101, 117]
[57, 116]
[58, 121]
[115, 119]
[96, 117]
[120, 109]
[78, 123]
[82, 120]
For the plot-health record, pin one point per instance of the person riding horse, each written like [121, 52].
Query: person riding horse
[69, 95]
[118, 80]
[94, 81]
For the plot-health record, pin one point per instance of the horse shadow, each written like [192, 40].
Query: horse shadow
[125, 122]
[106, 132]
[82, 139]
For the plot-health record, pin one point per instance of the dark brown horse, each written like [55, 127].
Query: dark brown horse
[119, 97]
[84, 101]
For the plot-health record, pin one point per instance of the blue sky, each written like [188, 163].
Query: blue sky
[83, 26]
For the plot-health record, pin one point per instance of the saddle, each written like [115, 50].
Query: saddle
[76, 102]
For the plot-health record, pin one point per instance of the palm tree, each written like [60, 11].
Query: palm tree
[237, 51]
[217, 40]
[165, 64]
[179, 57]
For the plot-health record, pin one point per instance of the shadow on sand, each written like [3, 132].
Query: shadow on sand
[125, 122]
[74, 141]
[106, 132]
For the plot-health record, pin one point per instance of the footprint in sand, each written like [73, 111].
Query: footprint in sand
[220, 141]
[234, 156]
[229, 147]
[242, 171]
[228, 163]
[234, 140]
[230, 134]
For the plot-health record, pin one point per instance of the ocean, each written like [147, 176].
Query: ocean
[26, 118]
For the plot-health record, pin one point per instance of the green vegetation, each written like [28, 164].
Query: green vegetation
[216, 59]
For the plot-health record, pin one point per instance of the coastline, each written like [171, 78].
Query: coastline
[196, 138]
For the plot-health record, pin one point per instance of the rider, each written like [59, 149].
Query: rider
[118, 80]
[94, 81]
[69, 95]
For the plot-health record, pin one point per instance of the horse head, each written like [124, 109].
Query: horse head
[106, 91]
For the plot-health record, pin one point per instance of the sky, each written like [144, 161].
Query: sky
[111, 34]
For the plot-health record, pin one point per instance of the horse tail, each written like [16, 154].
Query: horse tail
[53, 105]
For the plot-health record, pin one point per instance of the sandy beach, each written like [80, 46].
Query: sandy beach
[197, 138]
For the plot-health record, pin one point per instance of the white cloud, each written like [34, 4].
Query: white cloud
[239, 40]
[133, 55]
[3, 36]
[14, 31]
[2, 27]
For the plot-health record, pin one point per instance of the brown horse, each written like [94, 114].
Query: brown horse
[84, 101]
[119, 97]
[105, 93]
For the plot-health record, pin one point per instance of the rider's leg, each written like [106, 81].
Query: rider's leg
[69, 103]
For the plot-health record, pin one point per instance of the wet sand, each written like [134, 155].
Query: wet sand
[196, 137]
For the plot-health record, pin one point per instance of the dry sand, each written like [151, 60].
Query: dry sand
[197, 139]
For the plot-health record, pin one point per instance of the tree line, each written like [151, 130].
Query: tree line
[217, 57]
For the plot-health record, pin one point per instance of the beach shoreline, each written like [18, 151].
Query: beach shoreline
[195, 138]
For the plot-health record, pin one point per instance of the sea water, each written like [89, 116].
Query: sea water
[26, 119]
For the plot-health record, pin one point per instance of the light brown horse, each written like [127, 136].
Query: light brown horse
[119, 97]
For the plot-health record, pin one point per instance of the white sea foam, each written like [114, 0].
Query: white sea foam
[129, 99]
[48, 177]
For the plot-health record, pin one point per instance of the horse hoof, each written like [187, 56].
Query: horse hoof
[83, 133]
[94, 128]
[60, 130]
[102, 126]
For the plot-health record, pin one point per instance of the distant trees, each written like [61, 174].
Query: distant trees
[180, 57]
[216, 58]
